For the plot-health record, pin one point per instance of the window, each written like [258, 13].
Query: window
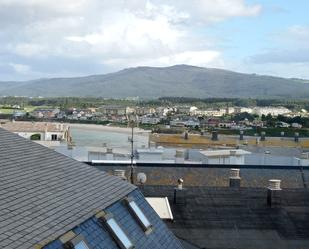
[81, 245]
[119, 235]
[54, 137]
[139, 215]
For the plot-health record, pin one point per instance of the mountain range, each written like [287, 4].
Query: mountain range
[153, 82]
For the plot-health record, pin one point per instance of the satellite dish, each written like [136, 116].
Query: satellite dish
[141, 178]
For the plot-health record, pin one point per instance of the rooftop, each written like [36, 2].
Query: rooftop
[43, 194]
[21, 126]
[223, 217]
[217, 153]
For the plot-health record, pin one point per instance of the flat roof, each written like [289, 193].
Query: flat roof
[216, 153]
[162, 207]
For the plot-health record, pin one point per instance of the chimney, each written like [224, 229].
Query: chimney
[274, 193]
[263, 136]
[180, 193]
[186, 135]
[120, 173]
[234, 178]
[241, 135]
[296, 137]
[214, 136]
[179, 157]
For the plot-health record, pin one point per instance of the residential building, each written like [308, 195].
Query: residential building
[185, 122]
[45, 113]
[149, 119]
[50, 201]
[274, 111]
[111, 110]
[48, 134]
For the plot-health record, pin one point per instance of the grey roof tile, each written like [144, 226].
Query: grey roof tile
[44, 194]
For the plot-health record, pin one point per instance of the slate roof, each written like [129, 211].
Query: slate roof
[98, 237]
[222, 217]
[25, 126]
[43, 194]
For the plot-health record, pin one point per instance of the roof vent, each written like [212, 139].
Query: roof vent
[274, 184]
[180, 183]
[234, 173]
[274, 193]
[120, 173]
[234, 178]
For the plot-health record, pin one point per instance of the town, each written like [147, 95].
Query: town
[168, 115]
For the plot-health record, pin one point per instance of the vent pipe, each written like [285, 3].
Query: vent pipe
[180, 193]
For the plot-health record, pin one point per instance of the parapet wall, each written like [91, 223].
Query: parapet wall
[216, 176]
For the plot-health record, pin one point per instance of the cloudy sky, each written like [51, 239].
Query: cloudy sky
[51, 38]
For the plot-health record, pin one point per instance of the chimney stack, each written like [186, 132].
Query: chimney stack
[179, 193]
[241, 135]
[234, 178]
[274, 193]
[214, 136]
[296, 137]
[263, 136]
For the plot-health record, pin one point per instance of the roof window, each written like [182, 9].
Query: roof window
[119, 235]
[139, 215]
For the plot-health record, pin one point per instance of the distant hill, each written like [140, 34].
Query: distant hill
[152, 82]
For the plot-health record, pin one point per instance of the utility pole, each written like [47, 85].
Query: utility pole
[132, 152]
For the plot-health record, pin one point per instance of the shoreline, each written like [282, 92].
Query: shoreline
[115, 129]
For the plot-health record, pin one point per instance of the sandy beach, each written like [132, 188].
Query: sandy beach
[95, 127]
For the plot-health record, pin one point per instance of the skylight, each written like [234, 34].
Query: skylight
[81, 245]
[139, 215]
[122, 239]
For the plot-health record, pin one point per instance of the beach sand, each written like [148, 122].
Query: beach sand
[95, 127]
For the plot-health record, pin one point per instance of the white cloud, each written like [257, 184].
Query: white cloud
[20, 68]
[116, 34]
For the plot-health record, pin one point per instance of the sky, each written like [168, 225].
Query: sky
[68, 38]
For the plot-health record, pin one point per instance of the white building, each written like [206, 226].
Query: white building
[48, 134]
[274, 111]
[234, 157]
[150, 120]
[242, 109]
